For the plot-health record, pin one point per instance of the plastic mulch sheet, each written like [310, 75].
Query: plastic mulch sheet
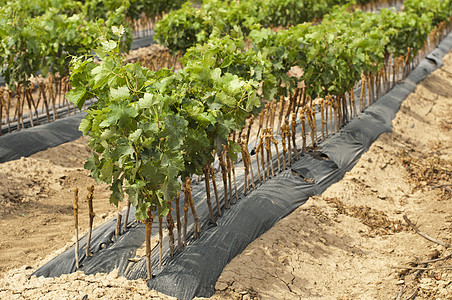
[26, 142]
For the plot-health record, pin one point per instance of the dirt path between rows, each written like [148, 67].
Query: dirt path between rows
[346, 244]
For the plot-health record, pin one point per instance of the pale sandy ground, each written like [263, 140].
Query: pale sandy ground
[344, 244]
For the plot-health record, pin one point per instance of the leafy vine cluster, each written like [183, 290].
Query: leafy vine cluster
[40, 36]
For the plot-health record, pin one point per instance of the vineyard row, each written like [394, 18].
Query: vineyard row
[183, 28]
[151, 131]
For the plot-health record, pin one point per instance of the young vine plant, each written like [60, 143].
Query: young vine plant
[150, 130]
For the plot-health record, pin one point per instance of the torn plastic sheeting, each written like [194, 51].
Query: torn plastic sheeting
[27, 142]
[435, 58]
[315, 169]
[304, 173]
[364, 132]
[343, 149]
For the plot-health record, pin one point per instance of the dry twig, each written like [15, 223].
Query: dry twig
[424, 235]
[447, 267]
[413, 294]
[442, 186]
[436, 259]
[400, 293]
[91, 218]
[76, 227]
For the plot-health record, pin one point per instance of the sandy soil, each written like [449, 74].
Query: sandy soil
[348, 243]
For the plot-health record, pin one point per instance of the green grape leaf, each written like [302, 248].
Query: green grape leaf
[76, 96]
[147, 101]
[106, 172]
[134, 136]
[153, 175]
[236, 85]
[117, 194]
[253, 101]
[85, 126]
[108, 46]
[120, 93]
[234, 148]
[133, 191]
[226, 99]
[174, 130]
[215, 74]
